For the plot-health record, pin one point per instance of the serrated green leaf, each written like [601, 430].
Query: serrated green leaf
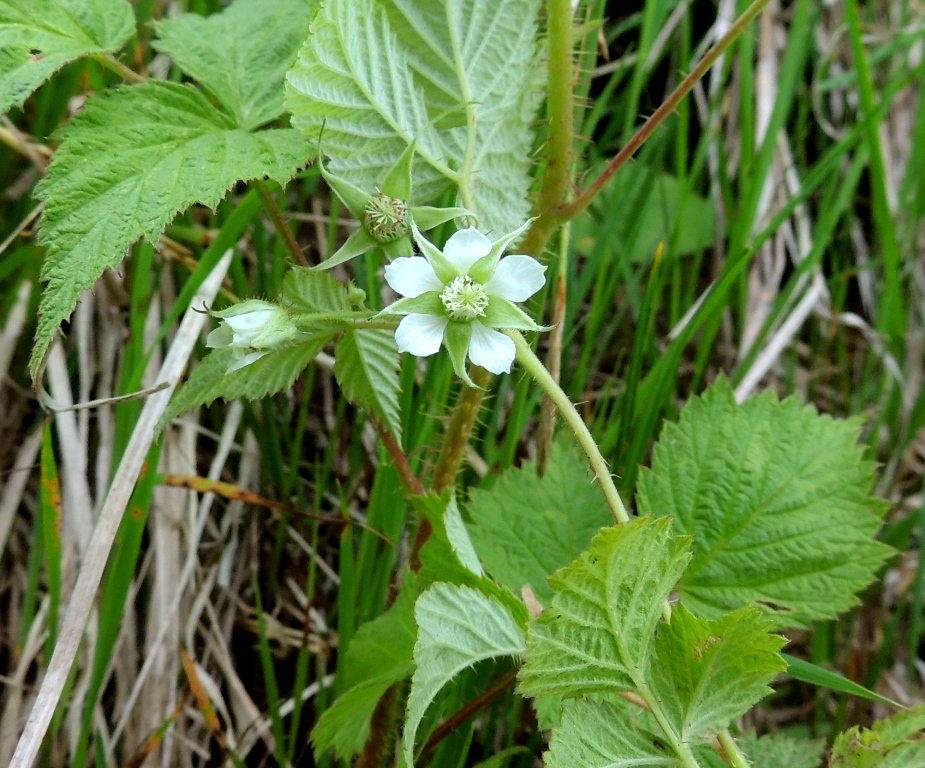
[366, 366]
[379, 655]
[351, 78]
[779, 751]
[778, 500]
[133, 159]
[457, 627]
[600, 734]
[38, 37]
[270, 374]
[893, 743]
[525, 527]
[242, 63]
[599, 631]
[705, 673]
[458, 51]
[377, 82]
[305, 290]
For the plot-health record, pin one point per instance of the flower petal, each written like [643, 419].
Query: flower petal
[490, 349]
[516, 278]
[243, 360]
[411, 276]
[466, 247]
[420, 335]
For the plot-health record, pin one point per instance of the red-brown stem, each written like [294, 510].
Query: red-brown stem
[466, 712]
[279, 222]
[409, 480]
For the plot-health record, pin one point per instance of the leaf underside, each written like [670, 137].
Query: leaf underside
[373, 78]
[38, 37]
[366, 367]
[778, 501]
[457, 627]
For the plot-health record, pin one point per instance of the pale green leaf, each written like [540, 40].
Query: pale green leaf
[311, 292]
[379, 655]
[242, 63]
[779, 751]
[457, 627]
[377, 83]
[599, 631]
[366, 367]
[601, 734]
[778, 500]
[525, 527]
[38, 37]
[705, 673]
[352, 79]
[893, 743]
[477, 62]
[133, 159]
[271, 373]
[459, 538]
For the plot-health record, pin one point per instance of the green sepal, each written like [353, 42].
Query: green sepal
[441, 264]
[501, 313]
[485, 267]
[456, 337]
[397, 182]
[426, 304]
[353, 197]
[398, 248]
[427, 217]
[357, 244]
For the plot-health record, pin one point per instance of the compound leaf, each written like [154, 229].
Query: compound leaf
[242, 63]
[599, 631]
[705, 673]
[133, 159]
[457, 627]
[778, 500]
[366, 367]
[308, 291]
[525, 527]
[38, 37]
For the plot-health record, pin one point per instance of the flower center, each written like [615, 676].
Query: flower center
[387, 218]
[464, 299]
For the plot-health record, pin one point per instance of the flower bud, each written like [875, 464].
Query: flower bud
[253, 328]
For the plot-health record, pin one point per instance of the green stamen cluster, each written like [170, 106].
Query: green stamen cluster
[464, 299]
[387, 218]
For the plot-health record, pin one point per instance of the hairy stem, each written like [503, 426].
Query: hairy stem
[534, 366]
[535, 241]
[279, 222]
[458, 431]
[114, 65]
[733, 755]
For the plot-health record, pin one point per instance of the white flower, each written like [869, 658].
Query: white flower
[459, 296]
[253, 328]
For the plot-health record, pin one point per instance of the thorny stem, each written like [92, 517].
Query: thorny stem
[114, 65]
[457, 433]
[534, 366]
[279, 222]
[734, 755]
[535, 241]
